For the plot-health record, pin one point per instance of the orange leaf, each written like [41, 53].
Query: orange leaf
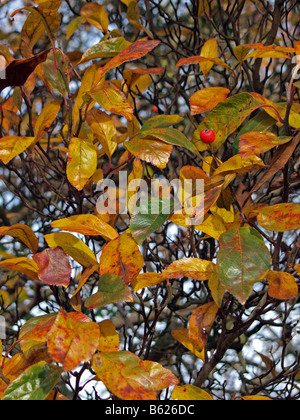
[207, 99]
[280, 217]
[282, 286]
[133, 52]
[33, 334]
[87, 224]
[201, 321]
[73, 339]
[256, 142]
[122, 257]
[129, 378]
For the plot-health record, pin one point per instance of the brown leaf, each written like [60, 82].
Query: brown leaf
[18, 71]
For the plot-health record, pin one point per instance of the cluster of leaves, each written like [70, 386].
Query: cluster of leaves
[76, 119]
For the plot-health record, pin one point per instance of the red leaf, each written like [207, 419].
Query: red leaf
[54, 267]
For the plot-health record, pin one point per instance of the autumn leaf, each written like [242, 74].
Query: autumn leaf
[104, 129]
[105, 49]
[18, 71]
[72, 246]
[146, 280]
[207, 99]
[33, 334]
[72, 339]
[113, 100]
[34, 384]
[87, 224]
[54, 267]
[255, 143]
[22, 232]
[12, 146]
[111, 289]
[122, 257]
[96, 15]
[280, 217]
[182, 335]
[82, 162]
[201, 321]
[22, 265]
[109, 338]
[149, 216]
[129, 378]
[151, 151]
[242, 261]
[190, 393]
[282, 286]
[194, 268]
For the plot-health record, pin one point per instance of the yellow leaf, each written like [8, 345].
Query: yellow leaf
[113, 100]
[237, 165]
[87, 82]
[87, 224]
[213, 226]
[194, 268]
[24, 233]
[12, 146]
[109, 338]
[209, 50]
[96, 16]
[22, 265]
[190, 393]
[72, 246]
[122, 257]
[182, 335]
[146, 280]
[216, 288]
[104, 129]
[82, 162]
[135, 177]
[46, 119]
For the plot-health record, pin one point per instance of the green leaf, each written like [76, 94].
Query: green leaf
[225, 119]
[148, 217]
[35, 383]
[111, 289]
[105, 49]
[161, 121]
[170, 136]
[243, 260]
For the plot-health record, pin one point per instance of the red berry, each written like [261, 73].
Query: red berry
[207, 136]
[155, 108]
